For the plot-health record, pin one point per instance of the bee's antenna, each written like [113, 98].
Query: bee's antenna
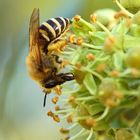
[44, 103]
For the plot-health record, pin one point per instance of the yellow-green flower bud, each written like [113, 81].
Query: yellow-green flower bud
[105, 16]
[133, 57]
[131, 5]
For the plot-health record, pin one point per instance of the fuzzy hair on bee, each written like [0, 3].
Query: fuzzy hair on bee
[43, 62]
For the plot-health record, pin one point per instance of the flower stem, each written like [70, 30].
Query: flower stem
[104, 28]
[72, 126]
[92, 46]
[103, 115]
[77, 135]
[85, 98]
[94, 73]
[123, 9]
[90, 135]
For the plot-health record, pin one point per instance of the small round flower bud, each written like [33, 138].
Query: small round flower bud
[133, 57]
[131, 5]
[105, 16]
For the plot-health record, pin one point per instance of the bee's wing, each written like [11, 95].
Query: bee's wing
[34, 35]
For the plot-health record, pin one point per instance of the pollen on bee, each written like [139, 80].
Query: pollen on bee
[62, 45]
[57, 46]
[77, 17]
[55, 99]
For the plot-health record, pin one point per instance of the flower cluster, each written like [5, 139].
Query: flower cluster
[104, 55]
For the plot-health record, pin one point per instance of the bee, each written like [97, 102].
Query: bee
[43, 63]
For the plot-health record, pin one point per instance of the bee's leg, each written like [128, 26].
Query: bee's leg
[46, 91]
[66, 76]
[44, 102]
[59, 79]
[57, 45]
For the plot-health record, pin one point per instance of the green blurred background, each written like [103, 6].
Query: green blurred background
[22, 116]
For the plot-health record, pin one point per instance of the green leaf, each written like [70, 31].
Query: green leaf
[111, 132]
[121, 28]
[131, 5]
[118, 59]
[97, 37]
[119, 33]
[124, 134]
[101, 125]
[90, 83]
[76, 56]
[135, 30]
[131, 41]
[95, 109]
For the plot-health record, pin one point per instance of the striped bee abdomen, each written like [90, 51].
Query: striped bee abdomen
[53, 28]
